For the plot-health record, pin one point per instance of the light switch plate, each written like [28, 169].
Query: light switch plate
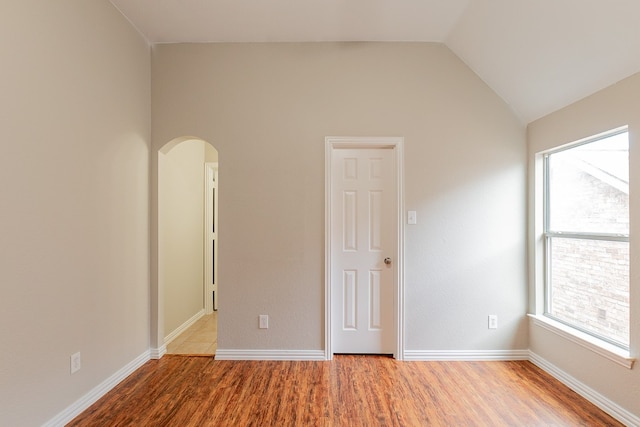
[412, 217]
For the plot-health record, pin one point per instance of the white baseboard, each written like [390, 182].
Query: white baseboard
[226, 354]
[180, 329]
[157, 353]
[602, 402]
[97, 392]
[465, 355]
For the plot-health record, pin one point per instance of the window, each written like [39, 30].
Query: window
[586, 235]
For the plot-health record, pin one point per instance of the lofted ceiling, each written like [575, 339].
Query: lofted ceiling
[538, 55]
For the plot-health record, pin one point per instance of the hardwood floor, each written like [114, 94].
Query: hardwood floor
[348, 391]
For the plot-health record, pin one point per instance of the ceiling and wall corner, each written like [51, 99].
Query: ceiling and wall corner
[539, 56]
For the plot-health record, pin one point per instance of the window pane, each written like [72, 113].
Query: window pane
[589, 286]
[589, 187]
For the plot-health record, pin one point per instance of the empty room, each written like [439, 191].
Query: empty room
[390, 213]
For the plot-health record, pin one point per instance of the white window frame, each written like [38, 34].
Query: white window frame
[607, 348]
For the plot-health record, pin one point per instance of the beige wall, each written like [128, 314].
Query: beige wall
[610, 108]
[181, 216]
[74, 275]
[267, 109]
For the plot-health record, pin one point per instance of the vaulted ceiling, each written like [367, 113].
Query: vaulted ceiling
[538, 55]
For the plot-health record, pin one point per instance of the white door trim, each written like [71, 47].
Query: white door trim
[210, 284]
[396, 143]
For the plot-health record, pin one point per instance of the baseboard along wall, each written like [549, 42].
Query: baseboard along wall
[97, 392]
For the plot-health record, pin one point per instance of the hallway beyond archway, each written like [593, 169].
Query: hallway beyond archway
[186, 261]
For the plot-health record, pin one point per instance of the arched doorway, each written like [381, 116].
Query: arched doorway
[184, 320]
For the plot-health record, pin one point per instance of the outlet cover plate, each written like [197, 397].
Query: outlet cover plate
[76, 362]
[493, 321]
[264, 321]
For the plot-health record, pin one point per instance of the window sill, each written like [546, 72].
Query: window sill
[603, 348]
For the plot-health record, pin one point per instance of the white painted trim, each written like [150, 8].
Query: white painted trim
[397, 143]
[465, 355]
[400, 351]
[602, 402]
[97, 392]
[210, 168]
[328, 326]
[180, 329]
[228, 354]
[604, 349]
[157, 353]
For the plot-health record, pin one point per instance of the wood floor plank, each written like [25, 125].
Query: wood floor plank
[348, 391]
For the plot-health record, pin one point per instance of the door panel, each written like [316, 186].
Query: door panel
[364, 221]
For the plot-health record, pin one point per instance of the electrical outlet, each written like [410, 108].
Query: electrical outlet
[264, 321]
[493, 321]
[76, 362]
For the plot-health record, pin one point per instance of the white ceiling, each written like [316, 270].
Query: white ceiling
[538, 55]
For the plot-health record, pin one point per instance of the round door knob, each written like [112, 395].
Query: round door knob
[387, 261]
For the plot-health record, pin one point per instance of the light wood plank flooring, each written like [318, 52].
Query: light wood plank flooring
[348, 391]
[201, 338]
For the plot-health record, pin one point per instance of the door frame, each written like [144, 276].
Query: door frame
[210, 268]
[341, 142]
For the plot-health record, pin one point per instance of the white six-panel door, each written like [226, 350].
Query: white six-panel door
[364, 233]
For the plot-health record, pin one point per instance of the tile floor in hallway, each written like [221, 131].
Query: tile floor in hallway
[199, 338]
